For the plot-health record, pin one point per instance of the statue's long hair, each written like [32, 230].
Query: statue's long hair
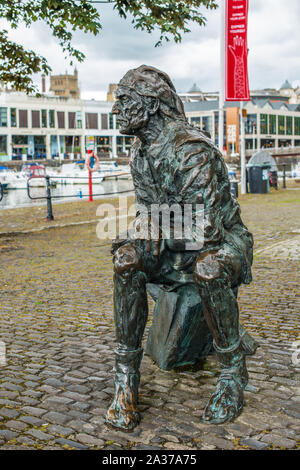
[151, 82]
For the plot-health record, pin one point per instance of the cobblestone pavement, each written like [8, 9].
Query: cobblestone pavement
[56, 320]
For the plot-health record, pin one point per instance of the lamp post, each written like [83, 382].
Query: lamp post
[242, 151]
[222, 76]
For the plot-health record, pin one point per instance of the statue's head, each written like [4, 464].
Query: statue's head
[142, 93]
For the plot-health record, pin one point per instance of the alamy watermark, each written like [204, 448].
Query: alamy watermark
[154, 222]
[2, 353]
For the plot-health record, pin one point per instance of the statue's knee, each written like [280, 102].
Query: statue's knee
[126, 259]
[208, 268]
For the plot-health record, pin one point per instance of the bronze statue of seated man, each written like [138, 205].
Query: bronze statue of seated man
[175, 163]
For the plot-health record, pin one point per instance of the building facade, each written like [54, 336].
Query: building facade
[53, 126]
[269, 124]
[57, 127]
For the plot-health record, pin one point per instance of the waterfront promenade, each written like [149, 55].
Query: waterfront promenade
[56, 319]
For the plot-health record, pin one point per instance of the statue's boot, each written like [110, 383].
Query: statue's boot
[123, 411]
[227, 401]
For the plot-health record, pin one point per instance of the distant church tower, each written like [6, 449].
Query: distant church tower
[65, 85]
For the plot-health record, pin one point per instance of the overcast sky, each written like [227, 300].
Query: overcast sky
[273, 41]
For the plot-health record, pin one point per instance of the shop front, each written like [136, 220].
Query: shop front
[124, 144]
[20, 147]
[284, 143]
[103, 146]
[267, 143]
[72, 146]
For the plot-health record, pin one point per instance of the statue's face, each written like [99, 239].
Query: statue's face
[130, 110]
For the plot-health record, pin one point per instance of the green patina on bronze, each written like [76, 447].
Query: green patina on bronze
[196, 309]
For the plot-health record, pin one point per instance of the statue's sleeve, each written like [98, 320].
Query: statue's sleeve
[198, 188]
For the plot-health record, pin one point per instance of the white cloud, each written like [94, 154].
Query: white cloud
[273, 40]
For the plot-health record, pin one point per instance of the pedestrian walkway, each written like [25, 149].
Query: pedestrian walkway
[57, 324]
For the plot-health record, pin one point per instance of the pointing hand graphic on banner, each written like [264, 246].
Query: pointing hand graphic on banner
[238, 48]
[238, 51]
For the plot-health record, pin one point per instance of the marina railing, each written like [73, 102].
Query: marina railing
[49, 196]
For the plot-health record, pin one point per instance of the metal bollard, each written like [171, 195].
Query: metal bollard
[284, 180]
[49, 201]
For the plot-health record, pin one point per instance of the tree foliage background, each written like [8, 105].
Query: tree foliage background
[64, 17]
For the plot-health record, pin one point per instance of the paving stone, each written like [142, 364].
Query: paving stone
[293, 413]
[7, 435]
[34, 410]
[77, 424]
[9, 413]
[78, 388]
[89, 440]
[40, 435]
[79, 415]
[56, 418]
[76, 396]
[16, 425]
[6, 394]
[58, 430]
[253, 444]
[79, 405]
[32, 420]
[11, 386]
[218, 442]
[33, 393]
[57, 402]
[25, 440]
[29, 401]
[68, 443]
[55, 383]
[279, 441]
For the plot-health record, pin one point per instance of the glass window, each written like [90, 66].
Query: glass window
[297, 125]
[207, 124]
[251, 124]
[61, 119]
[78, 120]
[281, 125]
[23, 118]
[272, 124]
[120, 144]
[3, 140]
[103, 144]
[35, 119]
[251, 144]
[13, 117]
[20, 139]
[111, 121]
[104, 121]
[72, 120]
[196, 121]
[51, 118]
[3, 117]
[91, 120]
[44, 118]
[289, 125]
[264, 124]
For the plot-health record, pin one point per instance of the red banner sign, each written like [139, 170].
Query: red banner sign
[236, 50]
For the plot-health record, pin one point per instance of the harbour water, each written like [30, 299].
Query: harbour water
[61, 193]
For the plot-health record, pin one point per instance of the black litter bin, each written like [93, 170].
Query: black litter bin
[258, 178]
